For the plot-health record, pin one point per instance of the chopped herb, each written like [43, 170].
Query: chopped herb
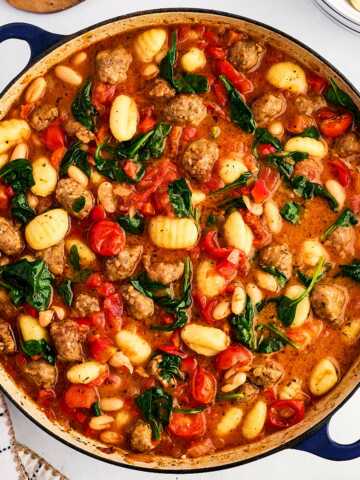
[240, 113]
[95, 408]
[231, 396]
[20, 209]
[311, 132]
[134, 224]
[77, 157]
[243, 325]
[291, 212]
[307, 189]
[285, 162]
[39, 347]
[274, 341]
[338, 97]
[156, 407]
[240, 182]
[82, 108]
[275, 272]
[18, 174]
[169, 367]
[351, 270]
[78, 204]
[346, 219]
[180, 197]
[65, 290]
[189, 411]
[74, 258]
[263, 136]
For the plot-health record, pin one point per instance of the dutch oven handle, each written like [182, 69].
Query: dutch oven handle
[321, 444]
[38, 39]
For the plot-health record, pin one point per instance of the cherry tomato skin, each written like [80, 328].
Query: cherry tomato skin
[277, 420]
[80, 396]
[233, 355]
[211, 246]
[317, 83]
[336, 125]
[188, 425]
[106, 238]
[341, 172]
[238, 79]
[259, 191]
[203, 386]
[189, 365]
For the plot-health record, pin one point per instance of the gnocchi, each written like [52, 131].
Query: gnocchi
[287, 76]
[302, 308]
[31, 329]
[310, 252]
[237, 233]
[208, 281]
[13, 132]
[173, 233]
[230, 421]
[207, 341]
[124, 118]
[136, 348]
[47, 229]
[323, 377]
[45, 177]
[231, 169]
[311, 146]
[254, 420]
[149, 43]
[193, 60]
[85, 372]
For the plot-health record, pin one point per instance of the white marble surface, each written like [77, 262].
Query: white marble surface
[301, 19]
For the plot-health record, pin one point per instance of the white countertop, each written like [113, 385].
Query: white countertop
[301, 19]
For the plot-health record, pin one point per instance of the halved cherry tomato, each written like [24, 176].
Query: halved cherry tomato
[233, 355]
[172, 350]
[113, 310]
[207, 311]
[341, 171]
[215, 52]
[101, 348]
[266, 149]
[238, 79]
[270, 177]
[259, 191]
[211, 246]
[106, 238]
[220, 93]
[187, 425]
[334, 124]
[80, 396]
[189, 365]
[54, 137]
[203, 386]
[97, 213]
[285, 413]
[317, 83]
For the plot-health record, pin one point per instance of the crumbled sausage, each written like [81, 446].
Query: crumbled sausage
[246, 54]
[185, 109]
[112, 65]
[124, 264]
[43, 116]
[7, 339]
[68, 191]
[75, 129]
[162, 271]
[311, 168]
[11, 241]
[141, 437]
[41, 373]
[278, 256]
[54, 257]
[249, 391]
[86, 304]
[266, 374]
[67, 340]
[309, 104]
[8, 309]
[348, 145]
[329, 302]
[342, 240]
[199, 159]
[268, 107]
[140, 306]
[161, 88]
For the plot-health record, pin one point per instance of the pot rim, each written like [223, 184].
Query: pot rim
[143, 13]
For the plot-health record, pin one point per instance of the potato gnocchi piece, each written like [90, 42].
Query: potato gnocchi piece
[273, 217]
[207, 341]
[124, 118]
[287, 76]
[351, 331]
[254, 420]
[193, 60]
[13, 132]
[231, 169]
[324, 376]
[149, 43]
[209, 282]
[254, 293]
[31, 329]
[230, 421]
[337, 191]
[85, 372]
[237, 233]
[136, 348]
[45, 177]
[173, 233]
[47, 229]
[86, 256]
[310, 253]
[311, 146]
[302, 308]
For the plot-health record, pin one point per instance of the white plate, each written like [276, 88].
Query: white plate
[337, 17]
[345, 9]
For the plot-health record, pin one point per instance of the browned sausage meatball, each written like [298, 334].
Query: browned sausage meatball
[268, 107]
[8, 309]
[162, 271]
[7, 339]
[43, 116]
[348, 145]
[246, 54]
[278, 256]
[141, 437]
[112, 65]
[11, 241]
[199, 159]
[68, 191]
[124, 264]
[185, 109]
[329, 302]
[75, 129]
[308, 105]
[342, 240]
[85, 304]
[67, 340]
[161, 88]
[311, 168]
[266, 374]
[40, 373]
[54, 257]
[140, 306]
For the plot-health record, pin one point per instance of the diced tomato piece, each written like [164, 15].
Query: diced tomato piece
[113, 310]
[80, 396]
[203, 386]
[106, 238]
[259, 191]
[188, 134]
[97, 320]
[172, 350]
[334, 124]
[54, 137]
[235, 355]
[97, 213]
[262, 235]
[106, 289]
[215, 52]
[266, 149]
[317, 83]
[189, 365]
[270, 177]
[285, 413]
[270, 395]
[220, 93]
[94, 280]
[46, 396]
[207, 311]
[103, 94]
[341, 171]
[215, 110]
[188, 425]
[238, 79]
[200, 448]
[29, 310]
[101, 348]
[227, 269]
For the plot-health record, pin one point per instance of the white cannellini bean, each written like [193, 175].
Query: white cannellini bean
[173, 233]
[310, 252]
[149, 43]
[273, 217]
[222, 310]
[31, 329]
[111, 404]
[124, 118]
[230, 421]
[85, 372]
[20, 151]
[238, 300]
[302, 308]
[287, 76]
[119, 359]
[231, 169]
[194, 59]
[45, 177]
[255, 208]
[266, 281]
[106, 197]
[254, 420]
[86, 256]
[254, 293]
[150, 71]
[12, 132]
[135, 347]
[46, 317]
[337, 191]
[102, 422]
[237, 233]
[323, 377]
[311, 146]
[68, 75]
[207, 341]
[78, 175]
[47, 229]
[276, 128]
[110, 437]
[209, 282]
[79, 58]
[36, 90]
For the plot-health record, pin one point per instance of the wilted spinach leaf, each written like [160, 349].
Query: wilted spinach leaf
[156, 407]
[346, 219]
[307, 189]
[82, 108]
[74, 258]
[180, 197]
[39, 347]
[240, 182]
[351, 270]
[275, 272]
[274, 341]
[311, 132]
[78, 204]
[291, 212]
[65, 290]
[169, 367]
[134, 224]
[243, 325]
[77, 157]
[285, 162]
[20, 209]
[18, 174]
[338, 97]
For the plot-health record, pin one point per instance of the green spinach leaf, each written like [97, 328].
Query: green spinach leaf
[82, 108]
[274, 341]
[65, 290]
[285, 163]
[169, 367]
[78, 204]
[134, 224]
[20, 209]
[39, 347]
[95, 408]
[243, 325]
[74, 258]
[311, 132]
[346, 219]
[18, 174]
[180, 198]
[291, 212]
[189, 411]
[339, 98]
[351, 270]
[77, 157]
[275, 272]
[156, 407]
[307, 189]
[240, 182]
